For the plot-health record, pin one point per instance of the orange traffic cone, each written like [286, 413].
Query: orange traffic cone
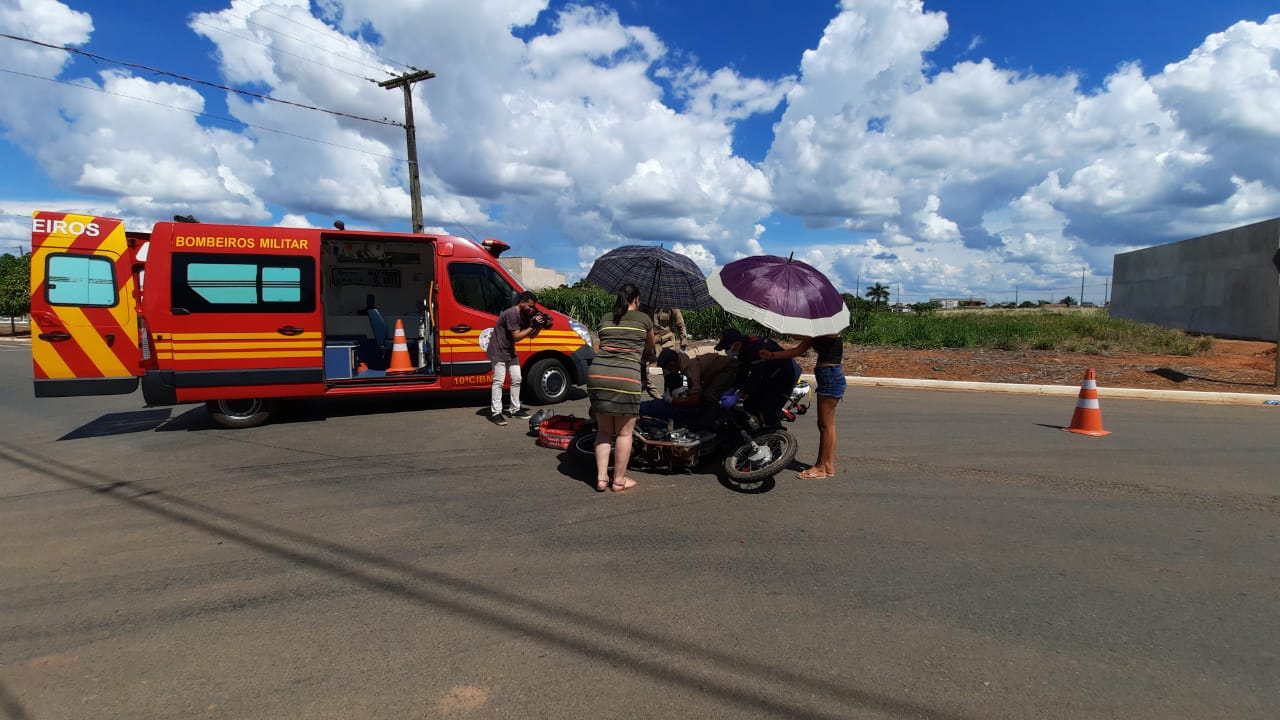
[1087, 419]
[400, 353]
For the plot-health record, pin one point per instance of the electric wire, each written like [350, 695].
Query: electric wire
[198, 81]
[276, 31]
[313, 30]
[202, 114]
[276, 48]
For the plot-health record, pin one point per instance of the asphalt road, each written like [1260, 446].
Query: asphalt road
[406, 559]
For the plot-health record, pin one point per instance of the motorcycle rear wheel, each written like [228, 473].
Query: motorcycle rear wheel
[585, 444]
[780, 447]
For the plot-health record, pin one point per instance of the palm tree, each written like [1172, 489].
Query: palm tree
[879, 293]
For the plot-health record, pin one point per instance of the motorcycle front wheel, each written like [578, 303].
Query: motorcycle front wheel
[765, 456]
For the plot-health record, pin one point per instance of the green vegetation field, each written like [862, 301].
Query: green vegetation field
[1074, 330]
[1087, 331]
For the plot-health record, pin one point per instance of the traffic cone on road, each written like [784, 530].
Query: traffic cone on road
[1087, 419]
[400, 353]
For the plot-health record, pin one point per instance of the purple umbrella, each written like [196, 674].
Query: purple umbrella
[783, 294]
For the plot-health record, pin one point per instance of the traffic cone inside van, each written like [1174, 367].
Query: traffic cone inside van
[1087, 419]
[400, 353]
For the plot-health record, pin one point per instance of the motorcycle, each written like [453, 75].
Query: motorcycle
[753, 450]
[797, 403]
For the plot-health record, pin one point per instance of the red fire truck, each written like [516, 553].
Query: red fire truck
[240, 316]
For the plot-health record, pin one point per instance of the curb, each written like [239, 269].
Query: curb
[1216, 398]
[1220, 398]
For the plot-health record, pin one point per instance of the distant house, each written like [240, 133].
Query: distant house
[530, 275]
[955, 303]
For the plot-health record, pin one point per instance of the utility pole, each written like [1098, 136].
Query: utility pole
[405, 82]
[1082, 270]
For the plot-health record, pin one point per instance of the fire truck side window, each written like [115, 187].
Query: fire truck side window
[206, 282]
[480, 287]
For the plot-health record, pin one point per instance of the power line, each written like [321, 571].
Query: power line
[313, 30]
[202, 114]
[158, 71]
[282, 51]
[275, 31]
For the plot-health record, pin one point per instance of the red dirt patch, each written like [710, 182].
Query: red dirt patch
[1230, 366]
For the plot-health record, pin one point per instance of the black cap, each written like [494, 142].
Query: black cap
[729, 336]
[667, 356]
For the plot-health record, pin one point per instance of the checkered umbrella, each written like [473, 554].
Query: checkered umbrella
[665, 279]
[783, 294]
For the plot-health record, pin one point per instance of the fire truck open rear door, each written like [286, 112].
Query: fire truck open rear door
[84, 324]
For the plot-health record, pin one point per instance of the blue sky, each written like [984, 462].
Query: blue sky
[943, 148]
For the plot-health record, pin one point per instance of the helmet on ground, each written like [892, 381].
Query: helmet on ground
[536, 419]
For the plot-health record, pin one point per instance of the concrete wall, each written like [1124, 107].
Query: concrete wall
[1222, 284]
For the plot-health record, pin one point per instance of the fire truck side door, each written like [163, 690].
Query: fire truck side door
[84, 323]
[477, 293]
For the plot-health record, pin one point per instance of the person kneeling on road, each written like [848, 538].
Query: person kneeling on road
[708, 377]
[765, 384]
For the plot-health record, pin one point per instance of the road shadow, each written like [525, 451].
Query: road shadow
[122, 423]
[293, 410]
[303, 410]
[758, 487]
[754, 686]
[10, 705]
[1177, 376]
[140, 421]
[578, 466]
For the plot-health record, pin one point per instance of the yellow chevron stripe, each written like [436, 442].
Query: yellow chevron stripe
[93, 344]
[244, 336]
[543, 334]
[521, 346]
[242, 355]
[285, 345]
[47, 358]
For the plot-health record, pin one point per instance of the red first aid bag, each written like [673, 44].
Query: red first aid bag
[558, 431]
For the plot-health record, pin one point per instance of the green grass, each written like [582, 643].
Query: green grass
[1076, 330]
[1079, 331]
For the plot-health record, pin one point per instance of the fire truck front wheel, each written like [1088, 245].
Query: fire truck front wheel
[547, 381]
[240, 413]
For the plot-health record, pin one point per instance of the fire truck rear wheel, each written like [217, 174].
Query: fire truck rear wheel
[547, 381]
[240, 413]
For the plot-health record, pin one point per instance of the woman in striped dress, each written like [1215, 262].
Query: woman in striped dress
[614, 386]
